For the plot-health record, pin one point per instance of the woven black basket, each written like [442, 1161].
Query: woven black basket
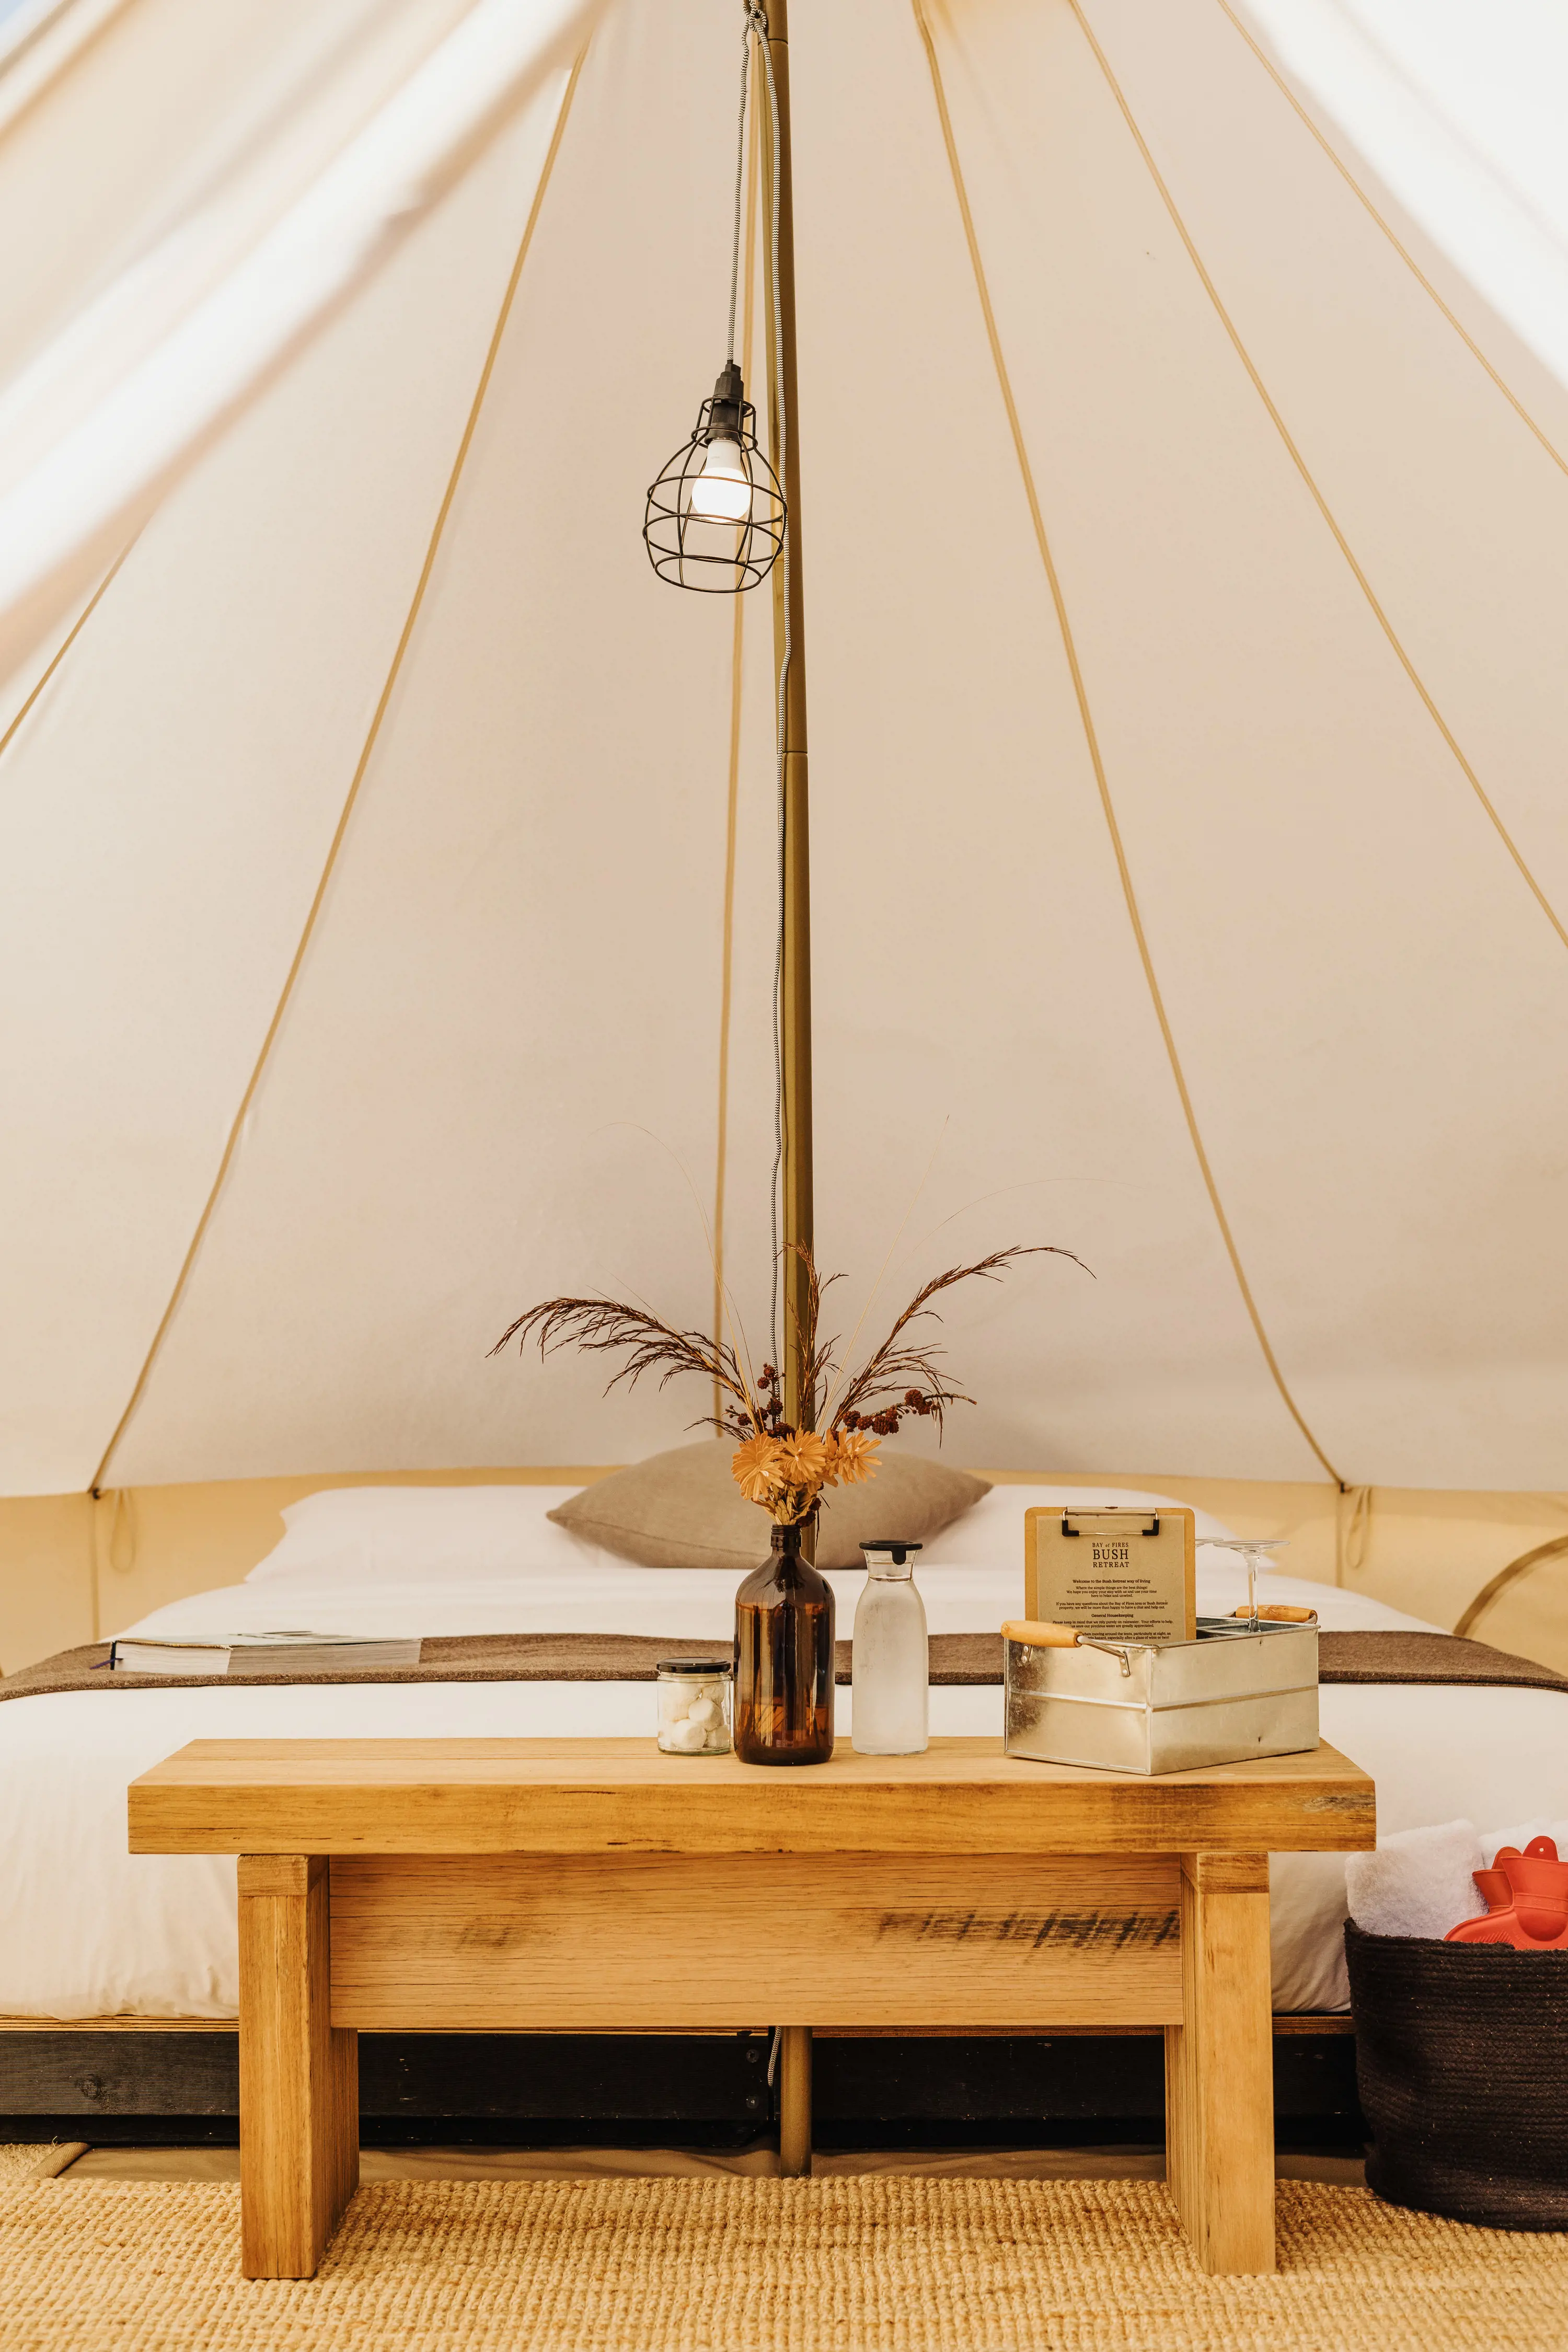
[1462, 2063]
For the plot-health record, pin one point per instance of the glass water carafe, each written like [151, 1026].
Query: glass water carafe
[783, 1659]
[892, 1656]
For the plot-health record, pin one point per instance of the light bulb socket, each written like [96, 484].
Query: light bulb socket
[727, 410]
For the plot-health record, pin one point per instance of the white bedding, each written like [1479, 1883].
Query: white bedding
[87, 1930]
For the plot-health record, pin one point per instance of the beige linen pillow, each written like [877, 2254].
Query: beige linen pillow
[682, 1509]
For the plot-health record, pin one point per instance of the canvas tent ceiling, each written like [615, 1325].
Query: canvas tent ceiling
[1185, 540]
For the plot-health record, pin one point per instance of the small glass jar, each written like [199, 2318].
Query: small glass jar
[694, 1706]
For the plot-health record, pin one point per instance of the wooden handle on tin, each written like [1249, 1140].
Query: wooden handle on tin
[1281, 1612]
[1039, 1635]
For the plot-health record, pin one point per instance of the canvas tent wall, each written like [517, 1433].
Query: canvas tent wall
[388, 858]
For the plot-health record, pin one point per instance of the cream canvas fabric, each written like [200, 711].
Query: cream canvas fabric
[387, 860]
[683, 1509]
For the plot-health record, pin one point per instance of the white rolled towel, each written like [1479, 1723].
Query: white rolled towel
[1519, 1837]
[1418, 1883]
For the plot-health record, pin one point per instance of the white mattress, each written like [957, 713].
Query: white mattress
[87, 1930]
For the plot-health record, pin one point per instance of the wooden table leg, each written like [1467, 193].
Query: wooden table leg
[1219, 2065]
[298, 2075]
[794, 2101]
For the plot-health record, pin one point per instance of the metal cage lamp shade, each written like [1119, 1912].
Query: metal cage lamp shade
[715, 519]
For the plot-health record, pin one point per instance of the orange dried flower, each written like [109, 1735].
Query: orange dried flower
[802, 1459]
[854, 1456]
[757, 1467]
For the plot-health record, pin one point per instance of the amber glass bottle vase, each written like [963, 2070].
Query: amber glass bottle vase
[783, 1659]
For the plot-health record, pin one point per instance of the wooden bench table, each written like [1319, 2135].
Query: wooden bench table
[595, 1886]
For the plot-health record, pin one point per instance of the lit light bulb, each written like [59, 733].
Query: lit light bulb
[721, 492]
[715, 514]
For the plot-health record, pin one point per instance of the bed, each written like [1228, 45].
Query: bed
[87, 1931]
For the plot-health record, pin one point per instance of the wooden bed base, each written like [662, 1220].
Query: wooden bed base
[117, 2080]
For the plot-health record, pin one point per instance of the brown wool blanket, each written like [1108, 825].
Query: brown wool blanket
[1373, 1657]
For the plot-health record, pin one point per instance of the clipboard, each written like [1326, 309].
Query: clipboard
[1116, 1575]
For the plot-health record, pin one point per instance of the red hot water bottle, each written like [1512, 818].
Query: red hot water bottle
[1527, 1901]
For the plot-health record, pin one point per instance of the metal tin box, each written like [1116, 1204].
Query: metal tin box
[1171, 1707]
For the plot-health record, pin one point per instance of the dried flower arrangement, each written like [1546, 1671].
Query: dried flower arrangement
[783, 1467]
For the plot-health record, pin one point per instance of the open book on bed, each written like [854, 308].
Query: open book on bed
[239, 1654]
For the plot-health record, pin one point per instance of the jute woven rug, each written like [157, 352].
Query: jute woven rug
[37, 2159]
[880, 2264]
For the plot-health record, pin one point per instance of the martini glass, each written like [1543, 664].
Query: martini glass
[1258, 1553]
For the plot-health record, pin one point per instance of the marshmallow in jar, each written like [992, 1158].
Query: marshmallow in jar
[694, 1696]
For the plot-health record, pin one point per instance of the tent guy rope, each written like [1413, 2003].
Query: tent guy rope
[732, 792]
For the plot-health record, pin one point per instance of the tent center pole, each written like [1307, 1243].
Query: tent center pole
[789, 619]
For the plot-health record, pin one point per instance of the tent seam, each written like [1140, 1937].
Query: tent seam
[85, 37]
[1304, 470]
[82, 618]
[1091, 739]
[362, 766]
[1342, 168]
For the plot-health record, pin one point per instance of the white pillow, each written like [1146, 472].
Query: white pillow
[992, 1533]
[392, 1533]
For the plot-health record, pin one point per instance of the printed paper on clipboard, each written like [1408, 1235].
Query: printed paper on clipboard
[1116, 1575]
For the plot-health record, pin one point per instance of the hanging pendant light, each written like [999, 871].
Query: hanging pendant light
[715, 517]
